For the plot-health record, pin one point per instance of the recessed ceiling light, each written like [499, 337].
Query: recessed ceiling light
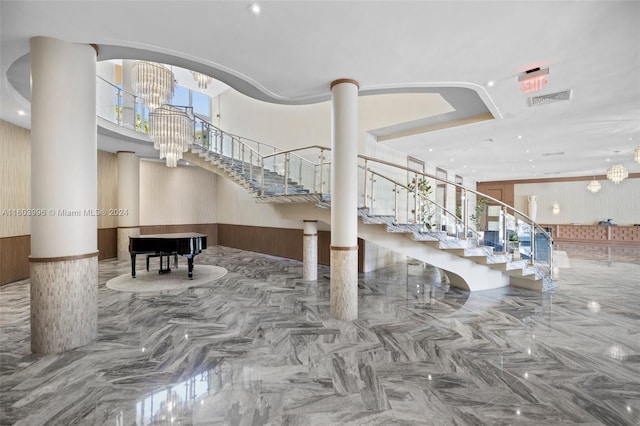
[530, 159]
[527, 151]
[430, 149]
[608, 159]
[21, 112]
[452, 160]
[255, 8]
[519, 136]
[491, 83]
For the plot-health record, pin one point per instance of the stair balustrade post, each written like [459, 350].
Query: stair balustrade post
[465, 209]
[300, 171]
[251, 166]
[395, 203]
[365, 184]
[415, 202]
[286, 173]
[321, 171]
[242, 159]
[373, 200]
[261, 176]
[532, 257]
[550, 258]
[504, 230]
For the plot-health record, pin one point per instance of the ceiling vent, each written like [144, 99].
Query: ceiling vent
[550, 98]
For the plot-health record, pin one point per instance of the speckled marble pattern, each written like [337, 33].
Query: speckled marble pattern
[257, 347]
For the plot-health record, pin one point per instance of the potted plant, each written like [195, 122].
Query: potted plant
[514, 244]
[481, 206]
[423, 190]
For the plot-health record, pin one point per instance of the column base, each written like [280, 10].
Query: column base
[64, 303]
[123, 241]
[344, 283]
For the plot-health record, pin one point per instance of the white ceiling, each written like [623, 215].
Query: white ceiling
[292, 50]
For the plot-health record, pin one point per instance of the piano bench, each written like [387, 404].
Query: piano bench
[175, 259]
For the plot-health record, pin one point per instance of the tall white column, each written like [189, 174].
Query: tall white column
[64, 256]
[310, 250]
[128, 104]
[128, 200]
[344, 200]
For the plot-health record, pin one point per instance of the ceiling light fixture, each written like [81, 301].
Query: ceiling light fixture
[171, 130]
[21, 112]
[594, 186]
[152, 82]
[202, 79]
[617, 173]
[255, 8]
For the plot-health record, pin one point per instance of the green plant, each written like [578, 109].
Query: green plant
[423, 189]
[481, 206]
[514, 237]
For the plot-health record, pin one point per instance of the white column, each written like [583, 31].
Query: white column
[310, 250]
[128, 200]
[128, 104]
[344, 200]
[64, 256]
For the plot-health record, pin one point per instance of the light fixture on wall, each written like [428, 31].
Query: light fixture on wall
[617, 173]
[152, 82]
[636, 156]
[594, 186]
[171, 129]
[555, 209]
[202, 79]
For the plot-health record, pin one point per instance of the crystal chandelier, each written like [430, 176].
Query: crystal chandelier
[153, 83]
[636, 157]
[594, 186]
[617, 173]
[171, 130]
[202, 79]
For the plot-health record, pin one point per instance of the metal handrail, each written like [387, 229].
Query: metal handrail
[424, 198]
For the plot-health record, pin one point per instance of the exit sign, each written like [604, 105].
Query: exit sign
[533, 80]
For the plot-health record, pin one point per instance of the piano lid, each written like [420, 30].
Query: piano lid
[174, 236]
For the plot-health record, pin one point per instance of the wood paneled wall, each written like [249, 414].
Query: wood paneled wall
[14, 264]
[107, 243]
[503, 191]
[278, 242]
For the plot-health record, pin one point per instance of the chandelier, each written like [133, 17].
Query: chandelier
[202, 79]
[153, 83]
[617, 173]
[171, 130]
[636, 157]
[594, 186]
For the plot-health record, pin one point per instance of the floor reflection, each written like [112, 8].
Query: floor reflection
[258, 347]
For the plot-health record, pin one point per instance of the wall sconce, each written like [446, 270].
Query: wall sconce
[555, 209]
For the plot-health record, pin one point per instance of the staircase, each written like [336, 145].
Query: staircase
[469, 266]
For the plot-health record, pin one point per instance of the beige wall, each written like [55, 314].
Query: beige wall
[15, 172]
[174, 196]
[577, 205]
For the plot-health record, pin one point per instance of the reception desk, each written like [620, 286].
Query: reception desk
[596, 233]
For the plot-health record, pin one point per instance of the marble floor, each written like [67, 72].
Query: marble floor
[257, 347]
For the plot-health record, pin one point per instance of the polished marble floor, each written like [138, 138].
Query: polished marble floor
[257, 347]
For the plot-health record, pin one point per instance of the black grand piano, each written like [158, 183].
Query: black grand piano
[187, 244]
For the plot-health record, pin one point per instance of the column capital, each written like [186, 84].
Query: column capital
[345, 80]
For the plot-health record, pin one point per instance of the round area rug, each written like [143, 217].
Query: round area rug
[177, 279]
